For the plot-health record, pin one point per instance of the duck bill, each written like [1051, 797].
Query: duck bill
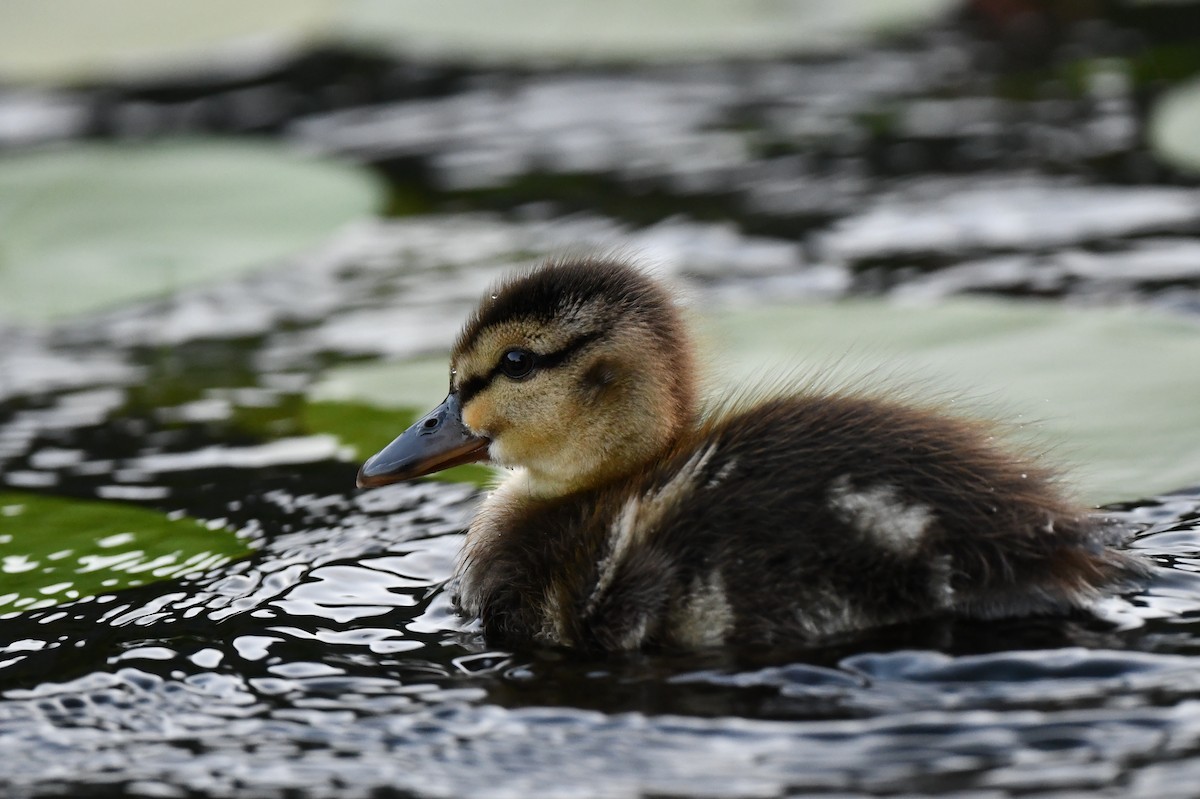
[436, 441]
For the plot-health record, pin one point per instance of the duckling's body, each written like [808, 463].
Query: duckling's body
[632, 521]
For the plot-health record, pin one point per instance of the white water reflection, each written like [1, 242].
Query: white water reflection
[305, 449]
[951, 216]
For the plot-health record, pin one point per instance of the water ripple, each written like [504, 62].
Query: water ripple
[331, 664]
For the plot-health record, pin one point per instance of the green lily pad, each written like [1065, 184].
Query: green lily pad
[417, 383]
[530, 31]
[89, 40]
[91, 226]
[1110, 393]
[55, 550]
[1174, 127]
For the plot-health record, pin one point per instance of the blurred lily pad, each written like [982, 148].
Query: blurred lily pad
[530, 31]
[417, 383]
[55, 550]
[1110, 393]
[1175, 126]
[91, 226]
[88, 40]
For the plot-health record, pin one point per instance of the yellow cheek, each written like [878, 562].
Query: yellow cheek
[477, 413]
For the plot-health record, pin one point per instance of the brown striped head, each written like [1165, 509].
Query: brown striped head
[577, 370]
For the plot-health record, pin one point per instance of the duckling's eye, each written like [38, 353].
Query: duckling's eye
[517, 363]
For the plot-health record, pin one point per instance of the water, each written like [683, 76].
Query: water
[329, 662]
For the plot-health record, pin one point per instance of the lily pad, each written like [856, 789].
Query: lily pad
[1110, 393]
[530, 31]
[90, 40]
[91, 226]
[55, 550]
[415, 384]
[1174, 126]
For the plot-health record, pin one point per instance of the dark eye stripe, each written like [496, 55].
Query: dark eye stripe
[473, 385]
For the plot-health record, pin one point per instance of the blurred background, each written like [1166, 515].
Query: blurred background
[237, 239]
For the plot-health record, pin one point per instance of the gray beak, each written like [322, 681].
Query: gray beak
[436, 441]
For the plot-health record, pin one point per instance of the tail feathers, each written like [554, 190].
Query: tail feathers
[1072, 577]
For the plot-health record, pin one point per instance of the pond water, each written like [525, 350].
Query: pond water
[244, 623]
[329, 663]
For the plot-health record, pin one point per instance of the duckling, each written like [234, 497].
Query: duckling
[633, 520]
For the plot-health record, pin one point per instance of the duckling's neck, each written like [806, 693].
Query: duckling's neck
[522, 484]
[540, 484]
[589, 467]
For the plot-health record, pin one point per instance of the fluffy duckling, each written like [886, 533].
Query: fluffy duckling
[631, 520]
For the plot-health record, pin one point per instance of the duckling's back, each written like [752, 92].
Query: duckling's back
[800, 518]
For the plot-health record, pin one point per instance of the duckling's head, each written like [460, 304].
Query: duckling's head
[578, 371]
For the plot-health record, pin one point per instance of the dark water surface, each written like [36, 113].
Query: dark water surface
[329, 663]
